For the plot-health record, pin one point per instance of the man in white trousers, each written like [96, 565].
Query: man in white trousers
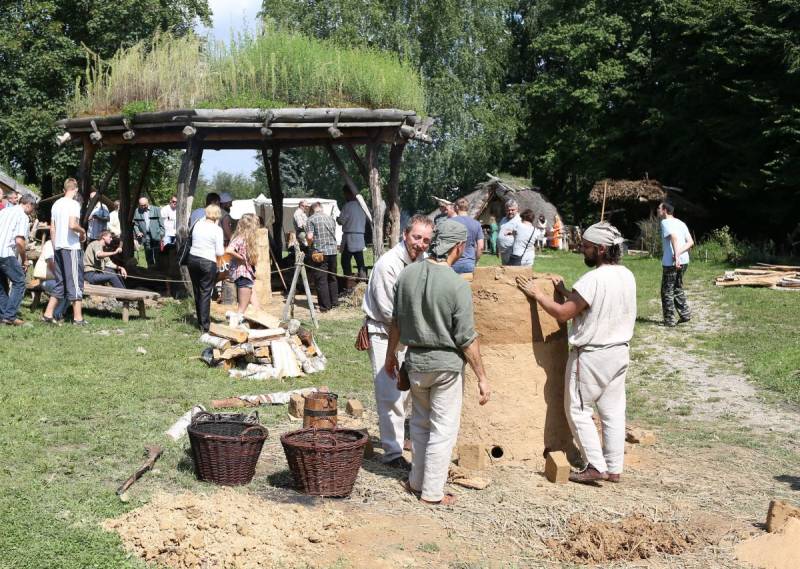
[433, 317]
[602, 306]
[378, 305]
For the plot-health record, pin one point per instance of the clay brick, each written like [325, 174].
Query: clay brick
[556, 467]
[473, 457]
[354, 408]
[296, 405]
[779, 513]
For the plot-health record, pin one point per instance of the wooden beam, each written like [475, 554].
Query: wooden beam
[342, 170]
[276, 193]
[137, 191]
[276, 244]
[378, 206]
[362, 167]
[125, 206]
[392, 192]
[85, 173]
[103, 186]
[189, 163]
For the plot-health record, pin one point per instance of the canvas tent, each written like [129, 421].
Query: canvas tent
[489, 198]
[262, 207]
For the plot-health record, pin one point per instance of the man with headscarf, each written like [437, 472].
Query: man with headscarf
[378, 306]
[602, 306]
[433, 317]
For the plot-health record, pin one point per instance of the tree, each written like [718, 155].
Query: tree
[41, 58]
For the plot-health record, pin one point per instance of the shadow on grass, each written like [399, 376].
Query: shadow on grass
[649, 321]
[792, 481]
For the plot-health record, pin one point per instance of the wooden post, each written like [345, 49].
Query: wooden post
[392, 191]
[603, 209]
[362, 168]
[342, 170]
[378, 206]
[85, 173]
[272, 168]
[189, 162]
[137, 191]
[125, 206]
[103, 187]
[263, 287]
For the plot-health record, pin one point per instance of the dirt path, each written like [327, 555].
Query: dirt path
[716, 386]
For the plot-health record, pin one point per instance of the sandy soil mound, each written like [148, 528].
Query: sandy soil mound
[773, 550]
[633, 538]
[227, 530]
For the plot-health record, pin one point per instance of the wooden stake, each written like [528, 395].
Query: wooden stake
[603, 210]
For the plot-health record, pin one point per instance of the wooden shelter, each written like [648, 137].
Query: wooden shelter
[646, 190]
[489, 197]
[267, 130]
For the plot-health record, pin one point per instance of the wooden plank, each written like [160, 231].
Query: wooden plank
[263, 334]
[223, 331]
[263, 285]
[118, 293]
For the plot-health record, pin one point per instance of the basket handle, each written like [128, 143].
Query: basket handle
[260, 427]
[205, 415]
[252, 418]
[324, 436]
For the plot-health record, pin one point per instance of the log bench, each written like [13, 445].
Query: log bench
[125, 295]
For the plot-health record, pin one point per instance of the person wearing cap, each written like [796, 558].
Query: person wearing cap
[148, 230]
[602, 307]
[433, 316]
[227, 223]
[446, 210]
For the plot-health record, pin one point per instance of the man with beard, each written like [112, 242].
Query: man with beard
[378, 305]
[602, 306]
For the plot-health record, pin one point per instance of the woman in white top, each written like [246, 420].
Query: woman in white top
[207, 247]
[523, 250]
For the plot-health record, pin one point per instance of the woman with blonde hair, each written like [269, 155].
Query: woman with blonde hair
[243, 251]
[207, 247]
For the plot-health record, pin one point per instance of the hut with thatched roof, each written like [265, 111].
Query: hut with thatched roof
[489, 198]
[8, 183]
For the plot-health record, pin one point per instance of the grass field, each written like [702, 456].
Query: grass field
[78, 405]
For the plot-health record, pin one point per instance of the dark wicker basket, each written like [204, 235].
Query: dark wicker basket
[324, 462]
[226, 447]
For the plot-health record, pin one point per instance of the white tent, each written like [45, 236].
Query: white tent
[262, 206]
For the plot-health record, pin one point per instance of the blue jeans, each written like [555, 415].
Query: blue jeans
[62, 305]
[10, 301]
[101, 278]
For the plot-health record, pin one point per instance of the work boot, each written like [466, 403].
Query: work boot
[587, 475]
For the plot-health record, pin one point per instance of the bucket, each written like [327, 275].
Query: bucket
[320, 410]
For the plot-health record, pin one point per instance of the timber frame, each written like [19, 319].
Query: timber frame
[265, 130]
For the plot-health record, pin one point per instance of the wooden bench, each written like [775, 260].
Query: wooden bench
[125, 295]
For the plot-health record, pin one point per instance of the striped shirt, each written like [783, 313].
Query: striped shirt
[323, 229]
[14, 223]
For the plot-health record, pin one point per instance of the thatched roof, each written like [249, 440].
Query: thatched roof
[492, 194]
[626, 190]
[9, 183]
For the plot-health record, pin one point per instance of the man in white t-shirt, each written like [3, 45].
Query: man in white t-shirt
[676, 241]
[67, 235]
[602, 307]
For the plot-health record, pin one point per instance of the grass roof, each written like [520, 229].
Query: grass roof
[627, 190]
[267, 70]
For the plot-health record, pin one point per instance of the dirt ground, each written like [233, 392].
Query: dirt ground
[680, 504]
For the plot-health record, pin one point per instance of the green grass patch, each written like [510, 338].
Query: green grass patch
[267, 69]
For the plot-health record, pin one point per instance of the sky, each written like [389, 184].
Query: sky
[227, 16]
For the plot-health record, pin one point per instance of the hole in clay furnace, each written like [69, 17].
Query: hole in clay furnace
[496, 452]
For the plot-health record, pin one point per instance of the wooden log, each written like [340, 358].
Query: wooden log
[238, 336]
[103, 187]
[231, 353]
[378, 206]
[231, 403]
[215, 341]
[85, 173]
[272, 165]
[392, 192]
[262, 352]
[351, 185]
[361, 166]
[189, 163]
[125, 206]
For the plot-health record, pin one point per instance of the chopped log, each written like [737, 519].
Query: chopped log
[223, 331]
[265, 334]
[234, 352]
[261, 318]
[261, 352]
[260, 343]
[231, 403]
[215, 342]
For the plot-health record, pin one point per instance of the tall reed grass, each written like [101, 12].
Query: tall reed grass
[266, 69]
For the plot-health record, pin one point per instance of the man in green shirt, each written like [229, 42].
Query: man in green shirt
[433, 316]
[97, 266]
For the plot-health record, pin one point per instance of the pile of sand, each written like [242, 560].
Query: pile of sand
[227, 529]
[779, 550]
[632, 538]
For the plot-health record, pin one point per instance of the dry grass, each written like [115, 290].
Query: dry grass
[266, 69]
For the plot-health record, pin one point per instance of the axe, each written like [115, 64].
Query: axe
[152, 452]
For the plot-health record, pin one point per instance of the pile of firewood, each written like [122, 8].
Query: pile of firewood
[762, 275]
[262, 348]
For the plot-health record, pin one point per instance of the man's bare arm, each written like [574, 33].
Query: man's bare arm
[569, 309]
[391, 350]
[473, 355]
[76, 227]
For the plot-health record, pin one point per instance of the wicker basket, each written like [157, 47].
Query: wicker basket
[324, 462]
[226, 447]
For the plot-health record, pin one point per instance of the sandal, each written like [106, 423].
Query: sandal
[407, 487]
[448, 500]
